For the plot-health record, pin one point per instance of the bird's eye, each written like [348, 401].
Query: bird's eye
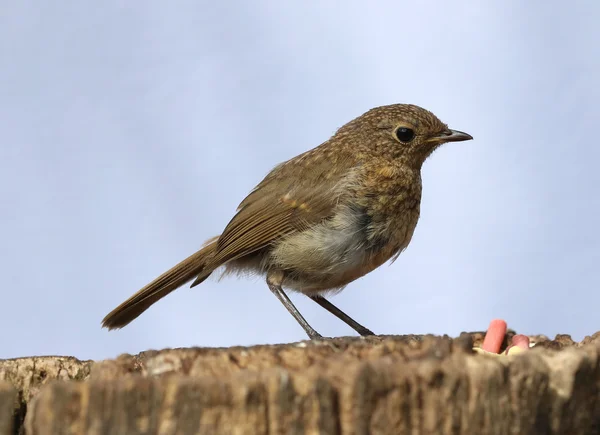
[404, 134]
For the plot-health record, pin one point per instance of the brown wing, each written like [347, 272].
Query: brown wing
[278, 207]
[271, 216]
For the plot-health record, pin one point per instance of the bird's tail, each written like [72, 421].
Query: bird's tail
[193, 266]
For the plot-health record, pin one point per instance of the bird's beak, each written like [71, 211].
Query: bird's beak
[451, 136]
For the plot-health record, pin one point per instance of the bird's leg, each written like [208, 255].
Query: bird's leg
[341, 315]
[274, 281]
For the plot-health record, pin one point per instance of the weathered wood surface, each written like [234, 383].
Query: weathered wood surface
[378, 385]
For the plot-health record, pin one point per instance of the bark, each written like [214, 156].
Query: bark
[378, 385]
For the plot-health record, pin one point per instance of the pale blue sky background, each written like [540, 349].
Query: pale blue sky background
[130, 132]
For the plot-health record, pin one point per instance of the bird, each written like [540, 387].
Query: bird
[322, 219]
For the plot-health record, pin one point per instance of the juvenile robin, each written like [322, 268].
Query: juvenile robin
[322, 219]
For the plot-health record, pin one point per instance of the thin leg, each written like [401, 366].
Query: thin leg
[274, 282]
[342, 316]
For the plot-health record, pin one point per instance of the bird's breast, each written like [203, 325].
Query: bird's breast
[371, 224]
[332, 254]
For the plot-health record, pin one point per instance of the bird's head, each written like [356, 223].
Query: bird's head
[405, 132]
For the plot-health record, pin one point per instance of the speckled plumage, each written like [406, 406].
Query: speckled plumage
[322, 219]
